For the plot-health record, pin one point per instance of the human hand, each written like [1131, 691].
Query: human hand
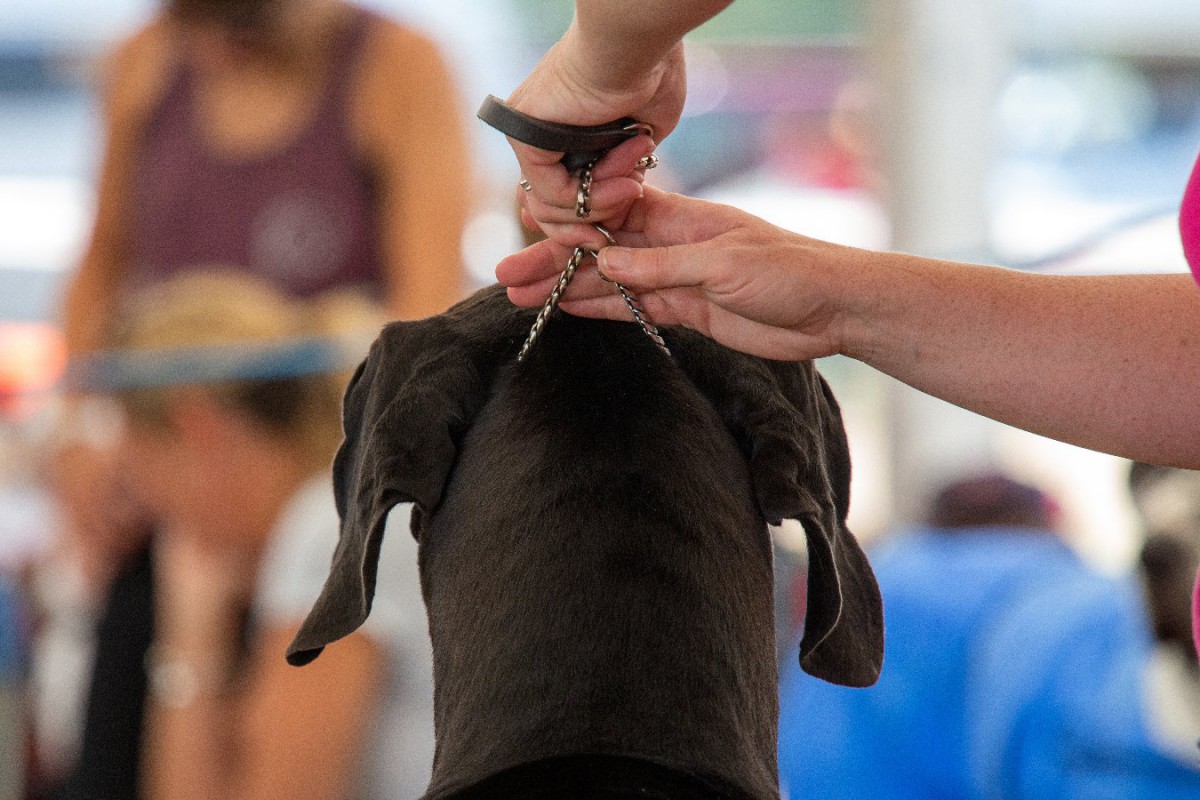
[725, 273]
[573, 85]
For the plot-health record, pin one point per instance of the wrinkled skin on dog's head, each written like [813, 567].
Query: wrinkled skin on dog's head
[650, 477]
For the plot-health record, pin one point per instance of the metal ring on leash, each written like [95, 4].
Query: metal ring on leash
[583, 195]
[649, 161]
[577, 256]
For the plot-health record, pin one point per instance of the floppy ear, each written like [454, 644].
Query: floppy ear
[789, 424]
[843, 628]
[406, 410]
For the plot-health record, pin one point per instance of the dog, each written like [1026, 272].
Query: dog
[593, 548]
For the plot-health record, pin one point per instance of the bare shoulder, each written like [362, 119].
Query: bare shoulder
[400, 68]
[390, 40]
[136, 70]
[399, 61]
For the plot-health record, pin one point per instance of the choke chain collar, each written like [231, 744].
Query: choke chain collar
[582, 146]
[564, 279]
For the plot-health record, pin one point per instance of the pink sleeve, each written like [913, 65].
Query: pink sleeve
[1189, 232]
[1189, 221]
[1196, 615]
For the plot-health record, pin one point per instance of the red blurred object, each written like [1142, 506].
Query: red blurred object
[33, 358]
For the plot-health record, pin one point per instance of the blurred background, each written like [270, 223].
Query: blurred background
[1049, 135]
[1041, 134]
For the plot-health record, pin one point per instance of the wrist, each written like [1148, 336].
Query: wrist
[857, 329]
[178, 677]
[633, 36]
[579, 56]
[600, 63]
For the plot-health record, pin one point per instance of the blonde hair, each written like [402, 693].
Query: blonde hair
[217, 308]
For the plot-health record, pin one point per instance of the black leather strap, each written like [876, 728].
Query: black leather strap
[579, 144]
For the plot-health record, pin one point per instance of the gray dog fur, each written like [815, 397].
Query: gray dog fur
[594, 553]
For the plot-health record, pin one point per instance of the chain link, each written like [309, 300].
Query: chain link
[582, 209]
[552, 301]
[583, 195]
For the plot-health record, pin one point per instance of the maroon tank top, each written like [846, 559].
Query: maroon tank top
[303, 216]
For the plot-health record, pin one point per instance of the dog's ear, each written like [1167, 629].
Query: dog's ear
[790, 427]
[405, 412]
[843, 628]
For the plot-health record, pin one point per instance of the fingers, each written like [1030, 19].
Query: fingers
[552, 193]
[689, 308]
[623, 159]
[531, 273]
[678, 266]
[587, 285]
[606, 306]
[663, 218]
[532, 265]
[686, 263]
[606, 199]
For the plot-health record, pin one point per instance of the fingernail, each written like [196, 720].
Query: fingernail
[615, 258]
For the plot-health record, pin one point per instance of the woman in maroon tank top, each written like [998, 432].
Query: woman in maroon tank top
[321, 148]
[310, 142]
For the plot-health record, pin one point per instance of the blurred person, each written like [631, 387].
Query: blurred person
[1013, 670]
[1167, 502]
[12, 664]
[1098, 708]
[236, 471]
[89, 597]
[309, 142]
[1069, 357]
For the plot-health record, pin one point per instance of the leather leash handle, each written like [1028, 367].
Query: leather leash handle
[580, 144]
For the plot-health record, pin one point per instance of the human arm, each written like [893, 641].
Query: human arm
[618, 58]
[132, 81]
[407, 114]
[1110, 363]
[271, 730]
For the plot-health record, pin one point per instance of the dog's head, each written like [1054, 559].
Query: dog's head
[414, 397]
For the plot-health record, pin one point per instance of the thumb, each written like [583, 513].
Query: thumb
[654, 268]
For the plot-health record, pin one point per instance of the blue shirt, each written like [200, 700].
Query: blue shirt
[11, 644]
[1011, 671]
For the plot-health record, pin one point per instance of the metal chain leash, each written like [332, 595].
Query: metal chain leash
[552, 301]
[631, 301]
[582, 210]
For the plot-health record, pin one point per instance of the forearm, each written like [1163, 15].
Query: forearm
[191, 724]
[87, 308]
[626, 38]
[1109, 363]
[422, 171]
[187, 758]
[427, 203]
[277, 734]
[194, 747]
[425, 272]
[91, 298]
